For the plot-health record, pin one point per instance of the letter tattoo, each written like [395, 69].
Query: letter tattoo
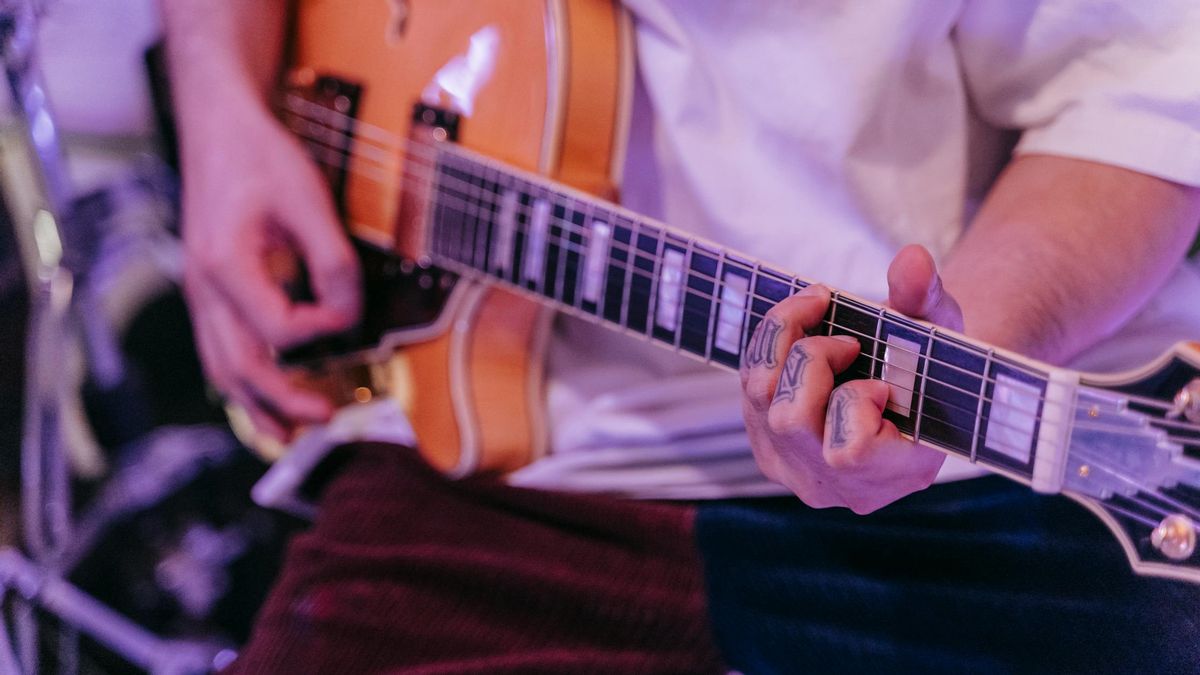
[793, 374]
[835, 419]
[761, 350]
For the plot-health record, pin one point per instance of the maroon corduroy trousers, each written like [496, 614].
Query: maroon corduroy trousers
[407, 572]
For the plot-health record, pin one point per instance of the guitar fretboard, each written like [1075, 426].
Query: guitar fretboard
[590, 258]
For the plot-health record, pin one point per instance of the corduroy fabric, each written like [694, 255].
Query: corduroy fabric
[407, 572]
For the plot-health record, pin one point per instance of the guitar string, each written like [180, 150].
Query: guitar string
[639, 254]
[1152, 495]
[717, 300]
[360, 130]
[1134, 482]
[1097, 464]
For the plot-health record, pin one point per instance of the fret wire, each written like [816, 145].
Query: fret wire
[462, 232]
[834, 301]
[491, 263]
[521, 229]
[585, 235]
[684, 287]
[580, 251]
[432, 206]
[550, 281]
[924, 379]
[714, 307]
[444, 239]
[634, 233]
[581, 262]
[590, 218]
[987, 369]
[477, 218]
[560, 267]
[529, 242]
[483, 244]
[479, 210]
[466, 239]
[450, 234]
[743, 337]
[878, 332]
[656, 265]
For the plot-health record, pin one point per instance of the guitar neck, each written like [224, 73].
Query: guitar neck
[590, 258]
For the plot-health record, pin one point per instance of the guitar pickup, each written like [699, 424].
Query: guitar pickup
[321, 110]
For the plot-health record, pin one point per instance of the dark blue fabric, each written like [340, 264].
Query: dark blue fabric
[981, 576]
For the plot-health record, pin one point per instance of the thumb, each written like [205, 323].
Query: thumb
[915, 289]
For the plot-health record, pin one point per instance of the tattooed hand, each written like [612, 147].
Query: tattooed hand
[830, 446]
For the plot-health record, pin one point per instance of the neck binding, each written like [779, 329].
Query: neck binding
[592, 259]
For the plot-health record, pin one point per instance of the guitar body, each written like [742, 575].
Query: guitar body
[489, 204]
[549, 85]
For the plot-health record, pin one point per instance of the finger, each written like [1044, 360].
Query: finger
[334, 273]
[783, 324]
[797, 409]
[262, 420]
[216, 370]
[253, 379]
[854, 423]
[915, 289]
[215, 367]
[246, 284]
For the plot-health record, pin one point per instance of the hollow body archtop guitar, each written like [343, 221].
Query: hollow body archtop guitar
[477, 190]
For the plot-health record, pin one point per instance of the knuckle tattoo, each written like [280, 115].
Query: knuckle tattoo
[837, 417]
[761, 350]
[792, 377]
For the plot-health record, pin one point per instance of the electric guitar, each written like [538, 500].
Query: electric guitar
[473, 148]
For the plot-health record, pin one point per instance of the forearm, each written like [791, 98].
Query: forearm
[1063, 251]
[224, 58]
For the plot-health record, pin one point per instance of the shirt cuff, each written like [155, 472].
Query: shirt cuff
[1132, 139]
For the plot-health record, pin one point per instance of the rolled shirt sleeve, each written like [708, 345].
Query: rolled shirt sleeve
[1111, 81]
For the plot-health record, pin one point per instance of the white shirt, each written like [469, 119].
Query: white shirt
[821, 136]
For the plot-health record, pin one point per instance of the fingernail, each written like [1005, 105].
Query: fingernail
[845, 338]
[814, 290]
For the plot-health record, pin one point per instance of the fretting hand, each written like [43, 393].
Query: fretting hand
[832, 447]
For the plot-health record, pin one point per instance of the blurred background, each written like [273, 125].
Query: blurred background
[128, 540]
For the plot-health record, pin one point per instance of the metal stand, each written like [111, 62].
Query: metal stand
[66, 329]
